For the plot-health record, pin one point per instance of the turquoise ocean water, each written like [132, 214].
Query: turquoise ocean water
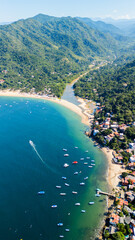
[24, 171]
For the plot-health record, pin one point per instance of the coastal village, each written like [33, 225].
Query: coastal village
[120, 216]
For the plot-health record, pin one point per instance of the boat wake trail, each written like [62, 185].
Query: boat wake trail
[34, 147]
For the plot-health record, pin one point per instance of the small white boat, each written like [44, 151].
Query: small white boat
[66, 184]
[61, 236]
[58, 186]
[85, 163]
[87, 157]
[41, 192]
[77, 204]
[66, 155]
[64, 178]
[92, 160]
[92, 164]
[89, 166]
[66, 165]
[76, 147]
[63, 194]
[82, 184]
[64, 149]
[59, 224]
[67, 229]
[74, 192]
[75, 173]
[86, 151]
[97, 195]
[91, 203]
[54, 206]
[85, 178]
[83, 211]
[81, 159]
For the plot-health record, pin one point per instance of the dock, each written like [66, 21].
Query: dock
[105, 193]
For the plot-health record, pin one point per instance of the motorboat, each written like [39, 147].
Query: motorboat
[67, 229]
[66, 184]
[75, 162]
[66, 155]
[91, 203]
[64, 178]
[63, 194]
[66, 165]
[76, 147]
[82, 184]
[97, 195]
[83, 211]
[89, 166]
[54, 206]
[85, 178]
[75, 173]
[92, 160]
[58, 186]
[92, 164]
[85, 163]
[61, 236]
[77, 204]
[59, 224]
[64, 149]
[87, 157]
[41, 192]
[74, 192]
[81, 159]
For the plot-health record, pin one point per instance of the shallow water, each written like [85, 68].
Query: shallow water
[25, 214]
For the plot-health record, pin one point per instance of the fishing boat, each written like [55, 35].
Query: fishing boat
[41, 192]
[64, 149]
[63, 194]
[82, 184]
[75, 162]
[77, 204]
[59, 224]
[75, 173]
[54, 206]
[91, 203]
[64, 178]
[85, 178]
[74, 192]
[66, 165]
[58, 186]
[83, 211]
[66, 184]
[66, 155]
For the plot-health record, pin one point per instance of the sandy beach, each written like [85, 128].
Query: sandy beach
[114, 170]
[84, 115]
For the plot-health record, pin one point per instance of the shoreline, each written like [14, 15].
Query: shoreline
[78, 110]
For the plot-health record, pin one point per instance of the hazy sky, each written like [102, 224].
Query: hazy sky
[11, 10]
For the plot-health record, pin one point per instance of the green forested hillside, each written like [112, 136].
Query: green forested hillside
[112, 86]
[45, 52]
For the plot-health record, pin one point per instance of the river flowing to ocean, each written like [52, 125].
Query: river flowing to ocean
[27, 170]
